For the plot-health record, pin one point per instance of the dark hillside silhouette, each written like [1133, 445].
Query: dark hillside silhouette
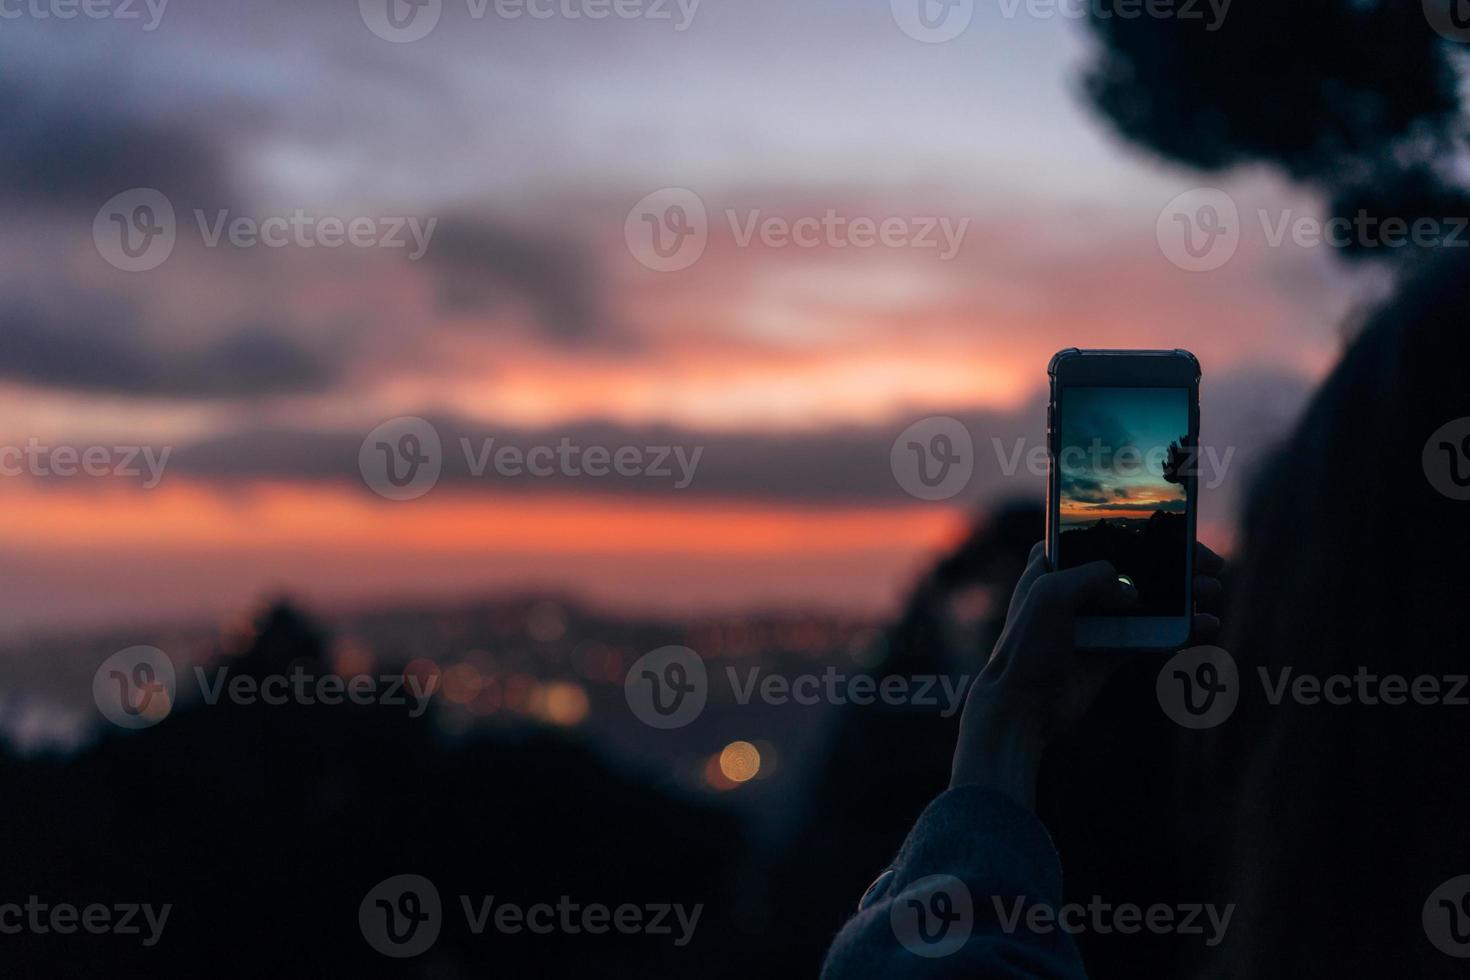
[264, 826]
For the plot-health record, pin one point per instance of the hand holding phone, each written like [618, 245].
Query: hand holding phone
[1037, 684]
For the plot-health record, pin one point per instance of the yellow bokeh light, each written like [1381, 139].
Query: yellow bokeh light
[739, 762]
[564, 703]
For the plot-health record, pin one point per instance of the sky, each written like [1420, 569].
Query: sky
[1113, 442]
[790, 352]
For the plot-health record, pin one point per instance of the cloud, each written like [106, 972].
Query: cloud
[102, 346]
[845, 465]
[1083, 490]
[482, 264]
[64, 150]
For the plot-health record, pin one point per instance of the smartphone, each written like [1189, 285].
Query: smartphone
[1122, 430]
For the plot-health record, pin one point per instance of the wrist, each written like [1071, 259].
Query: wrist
[1000, 748]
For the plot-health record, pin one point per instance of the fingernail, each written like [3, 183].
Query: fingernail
[1130, 592]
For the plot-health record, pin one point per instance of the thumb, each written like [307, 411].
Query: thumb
[1094, 584]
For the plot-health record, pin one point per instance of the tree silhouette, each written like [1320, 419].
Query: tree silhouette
[1359, 101]
[1180, 462]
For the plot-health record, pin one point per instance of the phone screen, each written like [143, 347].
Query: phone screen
[1122, 459]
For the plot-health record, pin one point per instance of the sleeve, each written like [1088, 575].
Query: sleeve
[959, 899]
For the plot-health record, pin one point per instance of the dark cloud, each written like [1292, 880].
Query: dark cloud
[1244, 413]
[1083, 490]
[101, 346]
[482, 265]
[65, 149]
[841, 465]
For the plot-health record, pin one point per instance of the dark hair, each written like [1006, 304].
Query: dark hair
[1343, 819]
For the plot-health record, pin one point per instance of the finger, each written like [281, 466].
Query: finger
[1206, 588]
[1095, 583]
[1051, 603]
[1206, 561]
[1035, 568]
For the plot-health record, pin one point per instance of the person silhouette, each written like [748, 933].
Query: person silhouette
[1327, 815]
